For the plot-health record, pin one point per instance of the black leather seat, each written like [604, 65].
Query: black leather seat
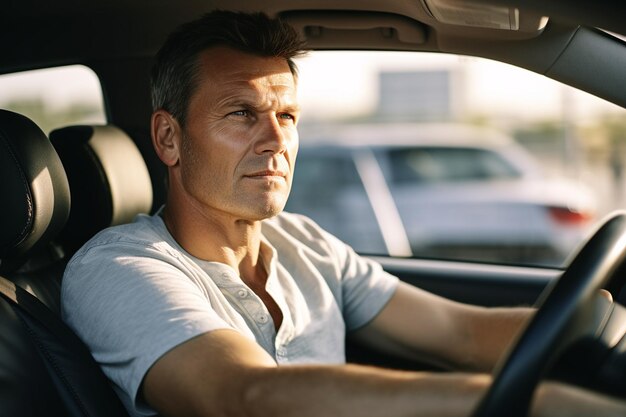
[45, 370]
[108, 179]
[36, 203]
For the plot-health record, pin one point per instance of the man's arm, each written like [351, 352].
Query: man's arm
[423, 326]
[222, 373]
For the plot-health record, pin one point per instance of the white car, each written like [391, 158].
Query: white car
[438, 190]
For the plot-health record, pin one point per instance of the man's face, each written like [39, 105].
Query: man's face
[240, 142]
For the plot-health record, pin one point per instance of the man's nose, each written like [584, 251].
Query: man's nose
[273, 136]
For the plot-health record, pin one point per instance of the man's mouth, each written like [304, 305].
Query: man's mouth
[267, 174]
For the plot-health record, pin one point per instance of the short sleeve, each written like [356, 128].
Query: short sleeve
[361, 286]
[366, 287]
[131, 305]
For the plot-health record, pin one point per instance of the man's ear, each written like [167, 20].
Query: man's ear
[166, 134]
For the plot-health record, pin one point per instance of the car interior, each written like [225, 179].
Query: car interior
[40, 354]
[61, 187]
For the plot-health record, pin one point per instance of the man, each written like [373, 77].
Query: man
[222, 305]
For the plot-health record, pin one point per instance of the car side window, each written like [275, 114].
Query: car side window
[54, 97]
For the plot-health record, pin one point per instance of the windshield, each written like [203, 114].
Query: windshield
[451, 157]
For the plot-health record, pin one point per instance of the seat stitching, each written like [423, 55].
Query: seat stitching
[29, 199]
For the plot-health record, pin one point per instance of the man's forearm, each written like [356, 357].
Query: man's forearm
[354, 390]
[491, 332]
[363, 391]
[560, 400]
[424, 327]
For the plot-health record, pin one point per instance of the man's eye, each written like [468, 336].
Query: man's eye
[243, 113]
[287, 116]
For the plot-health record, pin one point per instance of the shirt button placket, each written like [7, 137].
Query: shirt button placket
[281, 355]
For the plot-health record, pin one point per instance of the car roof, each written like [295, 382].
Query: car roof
[137, 27]
[99, 33]
[405, 134]
[346, 139]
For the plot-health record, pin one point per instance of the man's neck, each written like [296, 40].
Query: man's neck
[221, 238]
[218, 237]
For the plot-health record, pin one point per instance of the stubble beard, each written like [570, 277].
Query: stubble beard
[235, 202]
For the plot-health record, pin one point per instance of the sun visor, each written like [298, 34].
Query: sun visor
[485, 16]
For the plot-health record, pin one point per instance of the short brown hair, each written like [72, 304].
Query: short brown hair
[174, 73]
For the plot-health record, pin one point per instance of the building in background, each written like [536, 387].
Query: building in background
[425, 95]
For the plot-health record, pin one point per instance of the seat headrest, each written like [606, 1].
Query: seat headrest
[108, 178]
[36, 194]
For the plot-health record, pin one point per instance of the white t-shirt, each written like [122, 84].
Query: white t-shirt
[132, 294]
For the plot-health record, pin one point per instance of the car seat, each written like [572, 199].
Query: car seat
[108, 179]
[44, 368]
[36, 204]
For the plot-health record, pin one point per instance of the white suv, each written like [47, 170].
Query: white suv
[438, 191]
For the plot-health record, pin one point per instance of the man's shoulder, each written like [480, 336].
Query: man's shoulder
[144, 232]
[112, 253]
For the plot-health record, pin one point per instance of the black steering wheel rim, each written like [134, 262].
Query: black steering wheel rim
[558, 320]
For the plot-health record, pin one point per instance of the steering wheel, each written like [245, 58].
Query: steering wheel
[567, 313]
